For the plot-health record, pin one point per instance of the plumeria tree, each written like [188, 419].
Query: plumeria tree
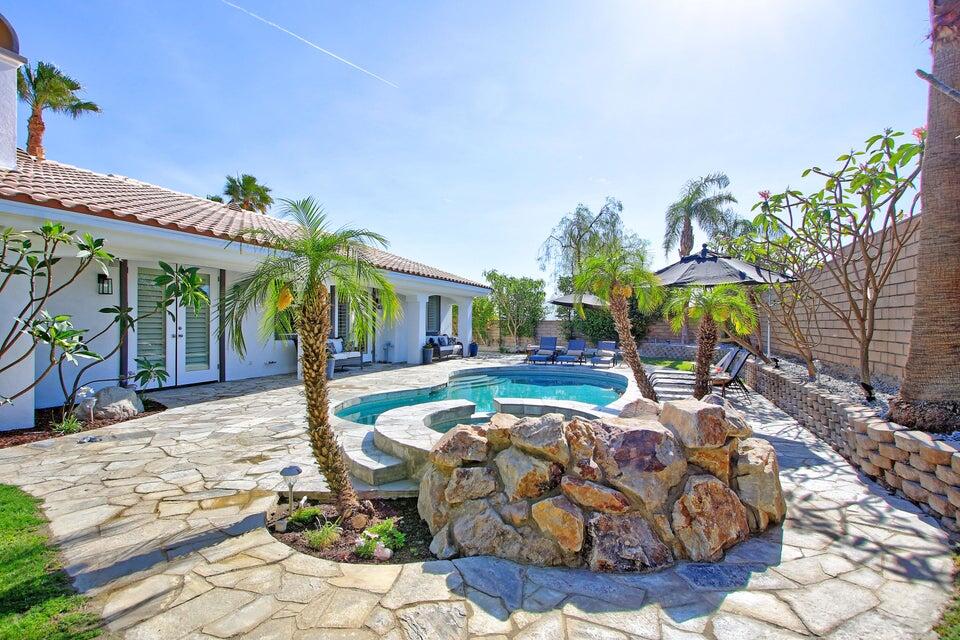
[851, 231]
[289, 289]
[615, 274]
[724, 307]
[519, 303]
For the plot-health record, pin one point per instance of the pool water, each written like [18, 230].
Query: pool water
[481, 389]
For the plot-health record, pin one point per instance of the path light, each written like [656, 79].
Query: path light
[290, 475]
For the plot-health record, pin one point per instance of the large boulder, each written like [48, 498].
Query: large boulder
[624, 543]
[113, 403]
[525, 476]
[758, 483]
[543, 436]
[463, 443]
[642, 459]
[469, 483]
[594, 496]
[561, 520]
[696, 423]
[708, 518]
[431, 501]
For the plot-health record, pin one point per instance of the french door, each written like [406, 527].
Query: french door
[182, 339]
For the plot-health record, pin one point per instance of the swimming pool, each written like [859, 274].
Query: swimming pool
[481, 386]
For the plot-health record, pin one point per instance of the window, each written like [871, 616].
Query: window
[343, 319]
[197, 325]
[433, 315]
[151, 330]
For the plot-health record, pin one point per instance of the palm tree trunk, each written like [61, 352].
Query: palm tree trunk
[313, 329]
[35, 129]
[929, 397]
[706, 344]
[620, 310]
[686, 238]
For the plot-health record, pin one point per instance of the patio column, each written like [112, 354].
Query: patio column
[415, 325]
[465, 322]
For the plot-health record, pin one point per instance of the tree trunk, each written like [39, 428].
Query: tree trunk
[35, 129]
[686, 238]
[706, 344]
[620, 310]
[313, 329]
[929, 397]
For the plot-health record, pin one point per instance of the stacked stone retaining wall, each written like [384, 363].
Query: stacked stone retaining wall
[912, 463]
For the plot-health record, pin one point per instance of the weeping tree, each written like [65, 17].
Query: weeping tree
[615, 274]
[289, 289]
[724, 307]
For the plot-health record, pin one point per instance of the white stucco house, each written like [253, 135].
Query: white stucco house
[142, 224]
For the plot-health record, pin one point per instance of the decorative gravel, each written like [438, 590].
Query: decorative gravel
[838, 383]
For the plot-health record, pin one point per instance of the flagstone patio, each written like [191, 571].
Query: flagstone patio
[161, 523]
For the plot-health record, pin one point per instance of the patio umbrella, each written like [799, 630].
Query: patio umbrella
[707, 268]
[587, 300]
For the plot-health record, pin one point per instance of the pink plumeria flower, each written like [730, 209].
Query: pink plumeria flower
[920, 133]
[764, 195]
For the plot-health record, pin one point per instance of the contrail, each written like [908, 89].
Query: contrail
[307, 42]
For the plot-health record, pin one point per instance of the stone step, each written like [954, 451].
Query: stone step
[368, 463]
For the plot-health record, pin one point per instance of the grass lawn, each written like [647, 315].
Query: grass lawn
[949, 627]
[682, 365]
[36, 602]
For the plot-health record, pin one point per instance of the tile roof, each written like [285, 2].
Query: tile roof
[62, 186]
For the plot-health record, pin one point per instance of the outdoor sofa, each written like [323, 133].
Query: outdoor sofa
[445, 346]
[341, 357]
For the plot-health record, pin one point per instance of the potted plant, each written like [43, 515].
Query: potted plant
[428, 352]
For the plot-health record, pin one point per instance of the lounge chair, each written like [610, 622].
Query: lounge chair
[606, 354]
[574, 353]
[546, 351]
[722, 367]
[733, 377]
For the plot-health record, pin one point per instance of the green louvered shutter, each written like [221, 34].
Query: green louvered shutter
[197, 334]
[151, 330]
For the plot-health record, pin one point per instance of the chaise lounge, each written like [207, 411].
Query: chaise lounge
[546, 351]
[573, 353]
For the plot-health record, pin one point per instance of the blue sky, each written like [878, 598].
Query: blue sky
[505, 115]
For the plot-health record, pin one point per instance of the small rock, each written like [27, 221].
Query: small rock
[469, 483]
[594, 496]
[498, 430]
[708, 518]
[542, 436]
[483, 533]
[442, 546]
[524, 476]
[696, 423]
[624, 543]
[516, 513]
[758, 483]
[431, 501]
[561, 520]
[718, 461]
[463, 443]
[641, 408]
[381, 553]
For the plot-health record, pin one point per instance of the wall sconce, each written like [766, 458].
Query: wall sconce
[104, 284]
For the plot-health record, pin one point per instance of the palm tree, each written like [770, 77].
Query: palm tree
[615, 274]
[724, 306]
[703, 201]
[289, 289]
[46, 87]
[215, 198]
[929, 397]
[247, 193]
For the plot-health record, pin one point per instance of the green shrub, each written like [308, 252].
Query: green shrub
[323, 537]
[305, 516]
[387, 532]
[366, 548]
[70, 424]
